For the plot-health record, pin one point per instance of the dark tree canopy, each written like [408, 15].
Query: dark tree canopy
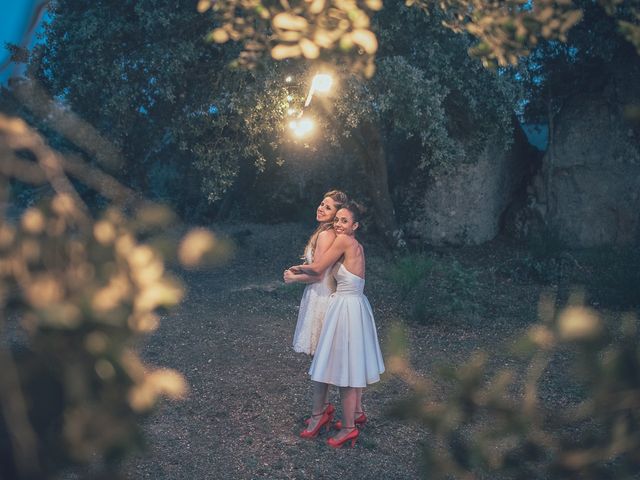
[181, 118]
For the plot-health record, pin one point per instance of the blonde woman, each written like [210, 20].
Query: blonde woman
[315, 298]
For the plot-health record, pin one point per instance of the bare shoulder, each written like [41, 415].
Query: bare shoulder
[345, 241]
[329, 235]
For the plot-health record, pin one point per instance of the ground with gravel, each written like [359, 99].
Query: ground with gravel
[249, 392]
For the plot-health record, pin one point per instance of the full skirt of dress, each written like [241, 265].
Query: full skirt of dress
[348, 353]
[313, 307]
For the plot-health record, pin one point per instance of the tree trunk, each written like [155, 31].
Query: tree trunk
[374, 161]
[367, 142]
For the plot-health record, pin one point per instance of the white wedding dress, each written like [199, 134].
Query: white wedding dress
[348, 353]
[313, 307]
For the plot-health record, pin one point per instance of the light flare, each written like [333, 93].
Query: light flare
[301, 127]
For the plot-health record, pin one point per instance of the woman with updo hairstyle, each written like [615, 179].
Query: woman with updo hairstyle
[348, 353]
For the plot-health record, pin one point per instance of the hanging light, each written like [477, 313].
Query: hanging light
[301, 127]
[322, 82]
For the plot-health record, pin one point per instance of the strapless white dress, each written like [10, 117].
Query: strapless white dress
[348, 352]
[313, 307]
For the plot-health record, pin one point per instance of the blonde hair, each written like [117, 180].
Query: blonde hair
[341, 199]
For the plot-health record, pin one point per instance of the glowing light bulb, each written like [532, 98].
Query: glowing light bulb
[322, 82]
[288, 79]
[301, 127]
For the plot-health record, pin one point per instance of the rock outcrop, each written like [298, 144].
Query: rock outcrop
[464, 206]
[587, 192]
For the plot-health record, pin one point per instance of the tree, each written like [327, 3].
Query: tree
[158, 97]
[78, 292]
[556, 70]
[422, 109]
[147, 85]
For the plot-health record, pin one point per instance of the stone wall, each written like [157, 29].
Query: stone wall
[464, 206]
[588, 189]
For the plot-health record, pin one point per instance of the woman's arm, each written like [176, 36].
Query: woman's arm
[331, 256]
[291, 277]
[323, 242]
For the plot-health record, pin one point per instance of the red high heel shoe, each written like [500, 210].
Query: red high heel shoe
[325, 421]
[359, 421]
[330, 409]
[352, 435]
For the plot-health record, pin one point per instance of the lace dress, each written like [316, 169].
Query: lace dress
[313, 307]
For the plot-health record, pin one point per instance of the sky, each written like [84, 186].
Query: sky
[14, 19]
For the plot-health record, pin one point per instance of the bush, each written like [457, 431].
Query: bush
[498, 424]
[408, 272]
[77, 293]
[436, 286]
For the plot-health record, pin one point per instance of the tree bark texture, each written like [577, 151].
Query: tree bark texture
[374, 161]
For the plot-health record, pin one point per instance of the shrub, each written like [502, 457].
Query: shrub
[408, 271]
[498, 425]
[77, 292]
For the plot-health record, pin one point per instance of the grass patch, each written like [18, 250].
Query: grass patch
[436, 286]
[408, 271]
[610, 275]
[455, 290]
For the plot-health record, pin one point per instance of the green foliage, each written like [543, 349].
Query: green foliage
[341, 30]
[610, 275]
[461, 286]
[506, 30]
[499, 424]
[592, 53]
[546, 260]
[455, 290]
[84, 296]
[149, 90]
[408, 271]
[437, 287]
[155, 100]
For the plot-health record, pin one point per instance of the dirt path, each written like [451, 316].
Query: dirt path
[249, 391]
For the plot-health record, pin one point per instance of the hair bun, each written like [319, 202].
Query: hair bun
[361, 209]
[357, 209]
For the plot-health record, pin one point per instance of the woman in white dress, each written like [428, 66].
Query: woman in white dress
[348, 354]
[315, 298]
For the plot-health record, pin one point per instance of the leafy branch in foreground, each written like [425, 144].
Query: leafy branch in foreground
[500, 423]
[298, 29]
[76, 293]
[312, 29]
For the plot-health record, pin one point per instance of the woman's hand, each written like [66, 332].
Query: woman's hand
[296, 269]
[289, 276]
